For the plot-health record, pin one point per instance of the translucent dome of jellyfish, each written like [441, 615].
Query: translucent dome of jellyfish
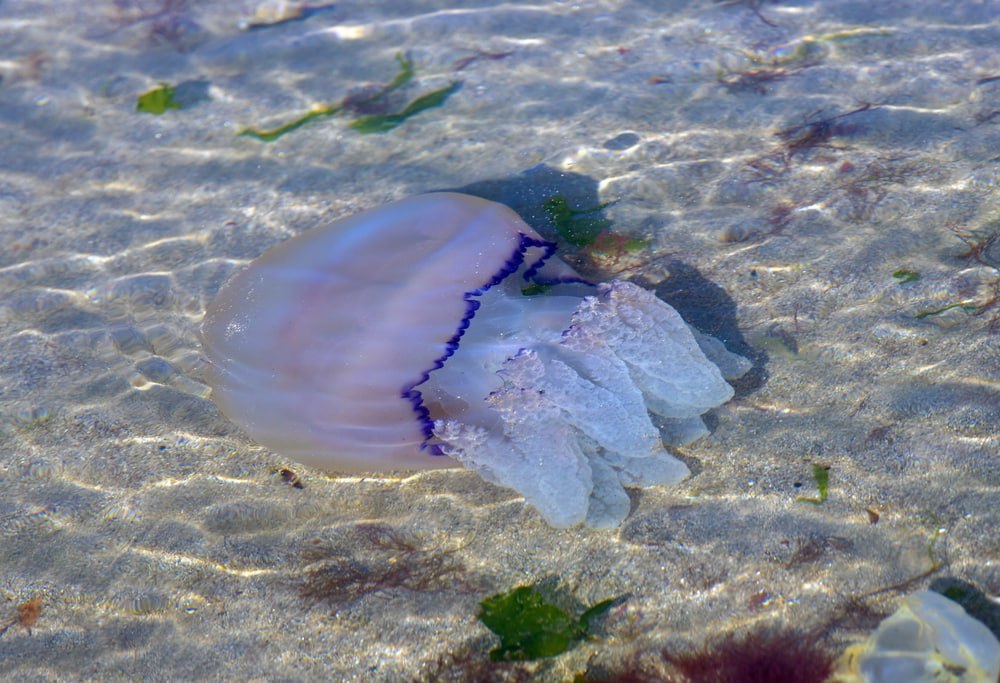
[406, 337]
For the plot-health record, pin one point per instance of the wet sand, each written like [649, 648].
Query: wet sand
[815, 184]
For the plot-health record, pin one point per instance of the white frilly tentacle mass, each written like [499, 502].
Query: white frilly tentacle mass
[573, 414]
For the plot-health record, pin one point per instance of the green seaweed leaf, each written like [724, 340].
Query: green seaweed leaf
[596, 612]
[821, 474]
[530, 628]
[320, 111]
[404, 76]
[158, 100]
[935, 311]
[374, 123]
[905, 276]
[380, 123]
[575, 225]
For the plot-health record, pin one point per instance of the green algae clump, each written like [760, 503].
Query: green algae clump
[158, 100]
[530, 628]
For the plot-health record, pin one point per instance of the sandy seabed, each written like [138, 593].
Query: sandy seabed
[816, 183]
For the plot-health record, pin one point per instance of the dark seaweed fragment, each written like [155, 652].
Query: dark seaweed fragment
[380, 123]
[763, 655]
[369, 558]
[818, 133]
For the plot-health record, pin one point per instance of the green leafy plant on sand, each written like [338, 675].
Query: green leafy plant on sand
[588, 229]
[158, 100]
[372, 123]
[530, 628]
[904, 276]
[576, 226]
[821, 474]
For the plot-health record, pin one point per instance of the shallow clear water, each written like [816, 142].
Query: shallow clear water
[781, 161]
